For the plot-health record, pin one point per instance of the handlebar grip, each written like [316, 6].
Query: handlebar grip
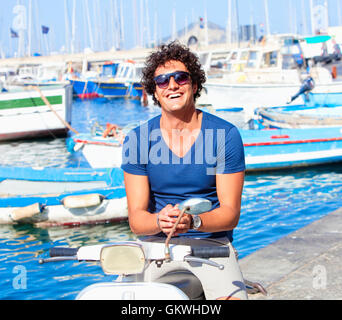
[210, 252]
[63, 252]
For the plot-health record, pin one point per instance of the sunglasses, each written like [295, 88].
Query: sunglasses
[163, 80]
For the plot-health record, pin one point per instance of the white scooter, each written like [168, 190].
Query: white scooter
[130, 257]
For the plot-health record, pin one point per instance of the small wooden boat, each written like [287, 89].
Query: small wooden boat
[59, 196]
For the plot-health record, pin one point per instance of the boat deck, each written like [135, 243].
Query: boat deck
[305, 265]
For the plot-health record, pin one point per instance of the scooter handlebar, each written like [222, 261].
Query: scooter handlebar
[63, 252]
[210, 252]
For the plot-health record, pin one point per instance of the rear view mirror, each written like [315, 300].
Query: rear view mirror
[122, 259]
[195, 206]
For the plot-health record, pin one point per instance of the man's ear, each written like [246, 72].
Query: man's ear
[194, 88]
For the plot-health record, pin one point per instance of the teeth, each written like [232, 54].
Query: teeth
[172, 96]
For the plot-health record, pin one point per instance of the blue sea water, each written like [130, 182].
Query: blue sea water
[274, 204]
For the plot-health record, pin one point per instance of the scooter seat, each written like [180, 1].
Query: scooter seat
[185, 281]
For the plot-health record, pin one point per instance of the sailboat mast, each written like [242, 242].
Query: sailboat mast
[113, 25]
[66, 18]
[206, 35]
[339, 13]
[90, 27]
[266, 17]
[229, 23]
[305, 31]
[174, 31]
[312, 17]
[326, 7]
[136, 26]
[148, 40]
[237, 22]
[142, 39]
[122, 29]
[29, 29]
[73, 32]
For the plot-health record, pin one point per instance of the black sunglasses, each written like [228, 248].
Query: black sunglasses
[163, 80]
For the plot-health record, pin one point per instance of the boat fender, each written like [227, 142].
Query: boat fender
[70, 144]
[78, 146]
[82, 201]
[27, 212]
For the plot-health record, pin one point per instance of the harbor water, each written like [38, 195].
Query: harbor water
[274, 204]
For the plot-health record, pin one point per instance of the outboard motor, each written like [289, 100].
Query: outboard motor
[307, 85]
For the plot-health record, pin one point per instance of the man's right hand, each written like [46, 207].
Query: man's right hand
[167, 218]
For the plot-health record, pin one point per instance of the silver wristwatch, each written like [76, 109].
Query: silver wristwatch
[197, 222]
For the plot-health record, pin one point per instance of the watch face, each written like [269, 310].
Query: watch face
[197, 222]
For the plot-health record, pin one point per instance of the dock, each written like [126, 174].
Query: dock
[305, 265]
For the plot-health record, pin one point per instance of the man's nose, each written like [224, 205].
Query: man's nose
[173, 84]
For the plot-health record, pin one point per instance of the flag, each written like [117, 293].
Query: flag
[45, 29]
[14, 34]
[201, 23]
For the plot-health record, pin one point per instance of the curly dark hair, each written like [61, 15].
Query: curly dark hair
[172, 51]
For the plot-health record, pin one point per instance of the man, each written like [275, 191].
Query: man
[185, 153]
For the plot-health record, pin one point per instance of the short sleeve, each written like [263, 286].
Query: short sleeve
[231, 156]
[131, 155]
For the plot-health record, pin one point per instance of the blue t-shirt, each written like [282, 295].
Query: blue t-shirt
[218, 149]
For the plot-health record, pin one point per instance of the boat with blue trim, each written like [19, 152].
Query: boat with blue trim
[61, 196]
[123, 82]
[265, 149]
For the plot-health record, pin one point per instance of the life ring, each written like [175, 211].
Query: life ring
[111, 130]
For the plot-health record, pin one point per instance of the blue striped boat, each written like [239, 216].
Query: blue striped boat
[61, 196]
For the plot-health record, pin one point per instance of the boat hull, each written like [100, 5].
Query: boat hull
[112, 90]
[57, 196]
[107, 89]
[252, 96]
[289, 148]
[264, 149]
[85, 89]
[100, 152]
[24, 114]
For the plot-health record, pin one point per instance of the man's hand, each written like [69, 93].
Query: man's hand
[167, 218]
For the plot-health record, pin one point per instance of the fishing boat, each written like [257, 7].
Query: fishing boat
[61, 196]
[289, 148]
[123, 82]
[310, 115]
[42, 75]
[32, 112]
[269, 77]
[265, 149]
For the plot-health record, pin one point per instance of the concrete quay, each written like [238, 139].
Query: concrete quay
[305, 265]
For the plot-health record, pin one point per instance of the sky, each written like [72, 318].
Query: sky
[139, 25]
